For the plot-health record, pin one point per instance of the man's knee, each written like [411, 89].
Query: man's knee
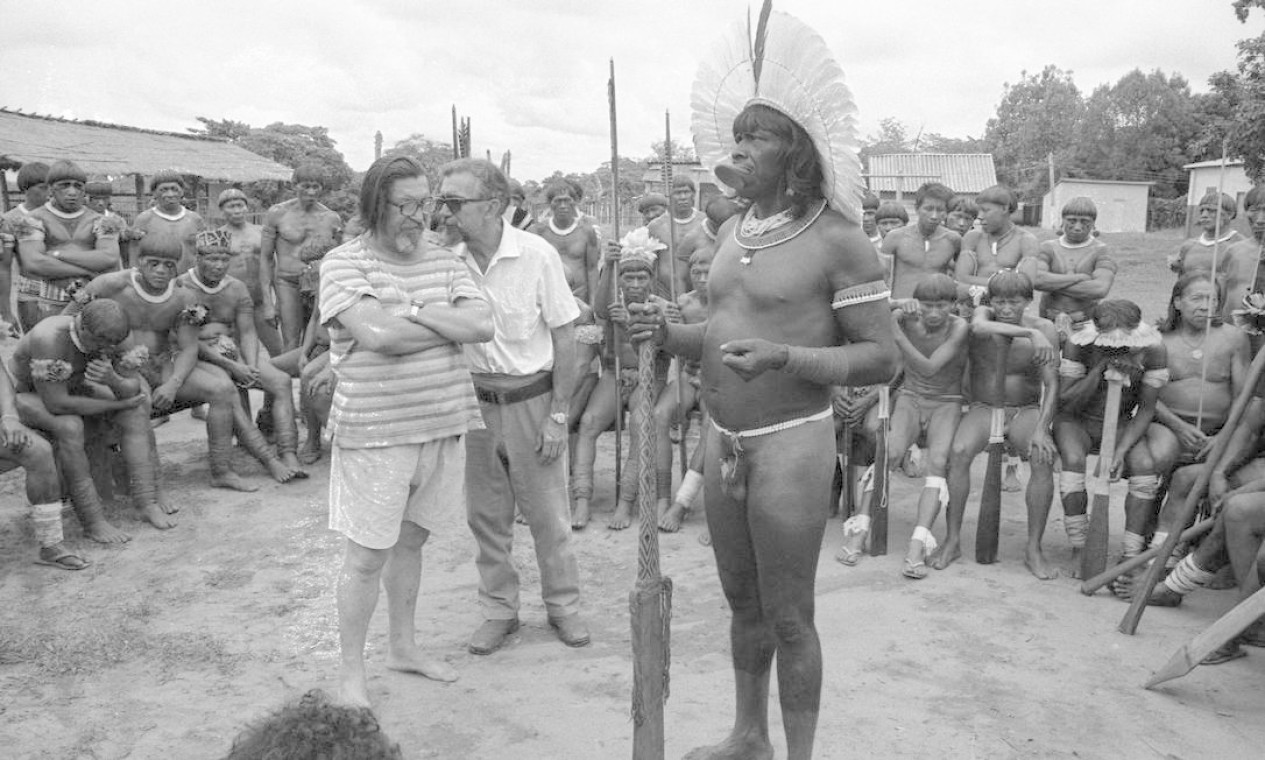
[68, 428]
[792, 629]
[1144, 487]
[1071, 482]
[1239, 511]
[412, 536]
[362, 562]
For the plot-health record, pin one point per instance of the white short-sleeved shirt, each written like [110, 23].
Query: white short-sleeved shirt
[527, 288]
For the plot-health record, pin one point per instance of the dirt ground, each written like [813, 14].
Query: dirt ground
[166, 647]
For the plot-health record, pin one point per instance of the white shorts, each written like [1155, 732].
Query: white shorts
[372, 491]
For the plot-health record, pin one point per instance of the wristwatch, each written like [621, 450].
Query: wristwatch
[559, 417]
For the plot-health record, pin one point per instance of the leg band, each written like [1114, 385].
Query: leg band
[1145, 487]
[1077, 527]
[1071, 482]
[1133, 544]
[1159, 538]
[46, 519]
[928, 541]
[690, 486]
[942, 487]
[856, 524]
[1187, 576]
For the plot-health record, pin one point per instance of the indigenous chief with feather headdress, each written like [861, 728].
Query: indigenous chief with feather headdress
[796, 304]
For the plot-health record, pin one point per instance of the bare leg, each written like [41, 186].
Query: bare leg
[357, 597]
[141, 455]
[596, 418]
[290, 313]
[401, 577]
[277, 385]
[630, 476]
[969, 440]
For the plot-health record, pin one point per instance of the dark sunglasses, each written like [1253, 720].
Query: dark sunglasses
[454, 204]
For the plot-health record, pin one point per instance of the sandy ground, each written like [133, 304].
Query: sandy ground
[168, 646]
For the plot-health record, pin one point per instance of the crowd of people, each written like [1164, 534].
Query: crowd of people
[467, 356]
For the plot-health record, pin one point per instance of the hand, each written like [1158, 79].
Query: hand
[132, 401]
[320, 385]
[551, 442]
[613, 252]
[300, 362]
[646, 321]
[1192, 438]
[101, 371]
[244, 374]
[618, 313]
[909, 306]
[1042, 449]
[1218, 488]
[1043, 352]
[752, 357]
[13, 434]
[671, 311]
[164, 396]
[855, 408]
[1117, 464]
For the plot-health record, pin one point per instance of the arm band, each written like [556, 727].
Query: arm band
[1071, 369]
[823, 365]
[684, 340]
[1155, 378]
[859, 294]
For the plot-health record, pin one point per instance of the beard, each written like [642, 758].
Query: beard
[410, 240]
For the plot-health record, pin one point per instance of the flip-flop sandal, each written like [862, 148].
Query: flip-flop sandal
[65, 560]
[1224, 653]
[914, 570]
[705, 538]
[848, 556]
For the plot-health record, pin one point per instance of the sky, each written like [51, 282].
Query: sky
[531, 76]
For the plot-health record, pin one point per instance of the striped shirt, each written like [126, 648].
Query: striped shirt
[385, 400]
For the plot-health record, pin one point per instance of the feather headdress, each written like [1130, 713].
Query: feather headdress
[639, 250]
[787, 66]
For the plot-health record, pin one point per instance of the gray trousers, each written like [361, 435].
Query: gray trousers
[503, 469]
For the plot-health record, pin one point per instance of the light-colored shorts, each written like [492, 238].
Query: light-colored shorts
[372, 491]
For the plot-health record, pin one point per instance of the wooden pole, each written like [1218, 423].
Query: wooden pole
[847, 505]
[680, 376]
[879, 496]
[1088, 587]
[650, 603]
[1094, 559]
[456, 135]
[1129, 623]
[1227, 627]
[988, 528]
[619, 407]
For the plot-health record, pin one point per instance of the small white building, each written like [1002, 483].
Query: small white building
[1206, 177]
[1121, 205]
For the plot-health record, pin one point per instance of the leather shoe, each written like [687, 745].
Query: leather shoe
[491, 635]
[571, 630]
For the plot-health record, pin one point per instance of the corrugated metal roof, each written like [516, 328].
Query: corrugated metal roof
[109, 149]
[1214, 162]
[962, 172]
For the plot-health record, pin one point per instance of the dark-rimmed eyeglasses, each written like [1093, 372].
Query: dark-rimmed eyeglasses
[410, 208]
[454, 203]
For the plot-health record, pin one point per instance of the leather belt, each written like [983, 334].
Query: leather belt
[514, 395]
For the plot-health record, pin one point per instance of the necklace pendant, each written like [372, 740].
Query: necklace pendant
[1197, 353]
[745, 260]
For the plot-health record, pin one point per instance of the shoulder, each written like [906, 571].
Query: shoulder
[849, 250]
[194, 217]
[971, 238]
[110, 283]
[144, 216]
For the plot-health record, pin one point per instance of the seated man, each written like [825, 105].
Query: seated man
[247, 238]
[227, 338]
[962, 215]
[19, 447]
[717, 211]
[1215, 214]
[1030, 386]
[673, 229]
[61, 246]
[1073, 272]
[693, 307]
[997, 244]
[929, 402]
[636, 267]
[157, 309]
[925, 248]
[310, 364]
[1117, 340]
[75, 385]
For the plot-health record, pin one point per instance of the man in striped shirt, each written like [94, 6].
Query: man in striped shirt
[397, 308]
[525, 378]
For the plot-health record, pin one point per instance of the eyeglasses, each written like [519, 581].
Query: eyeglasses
[454, 204]
[410, 208]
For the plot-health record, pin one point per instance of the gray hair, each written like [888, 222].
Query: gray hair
[492, 181]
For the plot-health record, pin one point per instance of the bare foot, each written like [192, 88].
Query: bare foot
[104, 533]
[155, 516]
[292, 463]
[169, 509]
[282, 472]
[946, 555]
[310, 453]
[670, 519]
[705, 538]
[580, 514]
[622, 517]
[353, 691]
[734, 748]
[1076, 562]
[416, 661]
[853, 548]
[232, 481]
[1039, 566]
[518, 518]
[1010, 483]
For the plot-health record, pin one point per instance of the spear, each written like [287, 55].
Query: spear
[456, 134]
[1227, 627]
[667, 184]
[619, 412]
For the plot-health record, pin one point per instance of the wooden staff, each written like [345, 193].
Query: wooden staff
[1216, 248]
[1088, 587]
[650, 602]
[1129, 623]
[879, 496]
[988, 528]
[680, 378]
[456, 135]
[846, 503]
[1094, 558]
[1227, 627]
[619, 407]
